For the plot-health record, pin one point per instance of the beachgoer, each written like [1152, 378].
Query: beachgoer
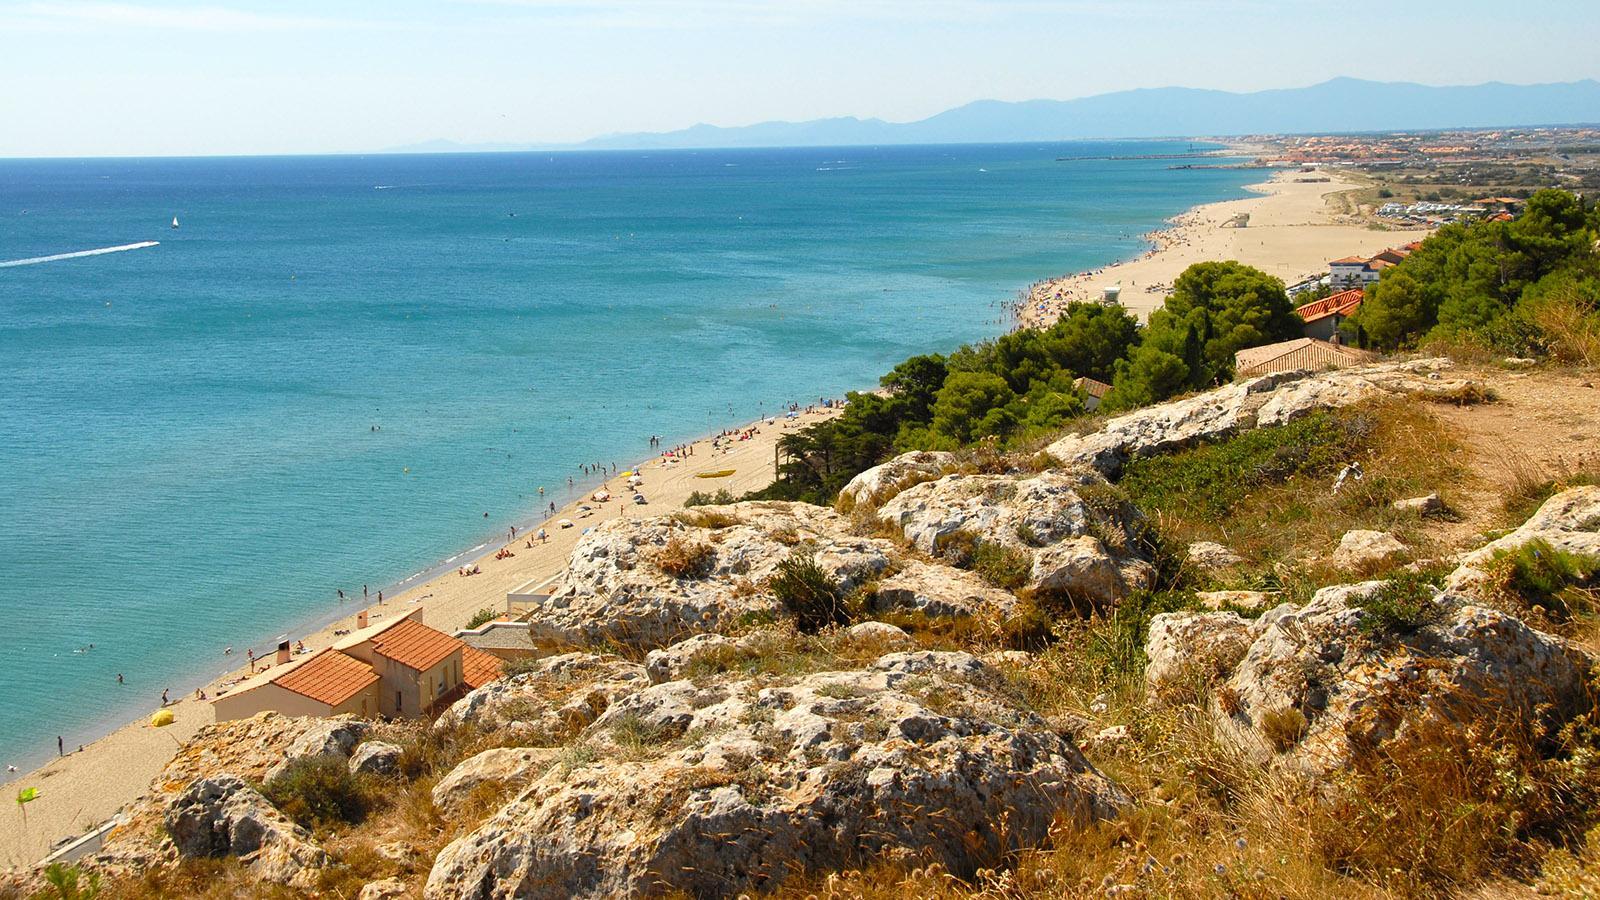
[380, 598]
[61, 746]
[251, 652]
[164, 700]
[363, 592]
[341, 593]
[119, 678]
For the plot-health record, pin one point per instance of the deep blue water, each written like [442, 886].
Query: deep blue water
[187, 458]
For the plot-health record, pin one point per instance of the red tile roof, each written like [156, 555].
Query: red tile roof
[1350, 261]
[1092, 387]
[1343, 303]
[328, 677]
[479, 668]
[415, 645]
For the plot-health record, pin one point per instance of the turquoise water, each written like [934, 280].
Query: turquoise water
[188, 457]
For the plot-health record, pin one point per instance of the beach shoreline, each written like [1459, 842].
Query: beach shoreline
[84, 788]
[1291, 232]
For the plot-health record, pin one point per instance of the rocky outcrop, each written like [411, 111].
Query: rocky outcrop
[1362, 549]
[1211, 556]
[223, 816]
[326, 737]
[942, 592]
[375, 758]
[1240, 599]
[1201, 646]
[1423, 506]
[1568, 521]
[549, 703]
[495, 770]
[879, 634]
[1043, 516]
[618, 587]
[878, 484]
[1323, 681]
[1274, 399]
[733, 787]
[671, 663]
[384, 889]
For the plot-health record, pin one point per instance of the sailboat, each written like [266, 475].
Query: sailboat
[174, 221]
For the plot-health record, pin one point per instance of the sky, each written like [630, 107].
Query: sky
[149, 77]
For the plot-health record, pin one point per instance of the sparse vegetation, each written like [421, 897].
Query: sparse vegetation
[682, 558]
[810, 593]
[721, 497]
[482, 617]
[1403, 604]
[320, 791]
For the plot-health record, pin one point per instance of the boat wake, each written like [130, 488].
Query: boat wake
[76, 254]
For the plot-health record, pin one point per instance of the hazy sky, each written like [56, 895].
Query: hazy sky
[241, 76]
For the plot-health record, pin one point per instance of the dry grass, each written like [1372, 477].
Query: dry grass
[684, 558]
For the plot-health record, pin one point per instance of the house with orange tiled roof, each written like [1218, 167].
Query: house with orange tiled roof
[398, 668]
[1323, 317]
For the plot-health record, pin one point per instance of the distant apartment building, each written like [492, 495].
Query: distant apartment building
[397, 669]
[1360, 271]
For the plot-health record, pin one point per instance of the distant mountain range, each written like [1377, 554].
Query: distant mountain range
[1339, 105]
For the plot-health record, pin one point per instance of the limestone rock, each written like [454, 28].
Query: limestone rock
[1352, 687]
[1568, 521]
[375, 758]
[1346, 387]
[1210, 555]
[1241, 599]
[670, 663]
[502, 768]
[879, 483]
[1360, 549]
[552, 701]
[1043, 516]
[386, 889]
[1267, 400]
[1107, 740]
[941, 592]
[879, 633]
[735, 786]
[1194, 645]
[223, 816]
[1422, 506]
[615, 590]
[327, 737]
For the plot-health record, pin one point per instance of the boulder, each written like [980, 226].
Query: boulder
[1168, 426]
[881, 633]
[500, 769]
[921, 758]
[386, 889]
[1212, 556]
[879, 483]
[1320, 682]
[1043, 516]
[616, 590]
[1361, 549]
[1422, 506]
[670, 663]
[550, 702]
[327, 737]
[1568, 521]
[375, 758]
[223, 816]
[1194, 645]
[942, 592]
[1267, 400]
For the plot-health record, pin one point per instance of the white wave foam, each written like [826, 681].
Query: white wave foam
[76, 254]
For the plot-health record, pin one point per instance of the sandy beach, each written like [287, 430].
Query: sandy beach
[1293, 232]
[84, 788]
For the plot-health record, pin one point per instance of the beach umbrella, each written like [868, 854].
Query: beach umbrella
[162, 718]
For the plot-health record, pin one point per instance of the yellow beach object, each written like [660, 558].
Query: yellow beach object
[162, 717]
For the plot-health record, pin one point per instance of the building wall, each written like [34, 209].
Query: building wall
[403, 691]
[244, 704]
[1324, 328]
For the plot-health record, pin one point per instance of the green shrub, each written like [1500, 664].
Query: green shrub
[1403, 604]
[808, 592]
[1002, 566]
[1210, 480]
[482, 617]
[721, 497]
[68, 882]
[1537, 574]
[319, 791]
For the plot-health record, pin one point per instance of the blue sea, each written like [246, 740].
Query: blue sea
[337, 365]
